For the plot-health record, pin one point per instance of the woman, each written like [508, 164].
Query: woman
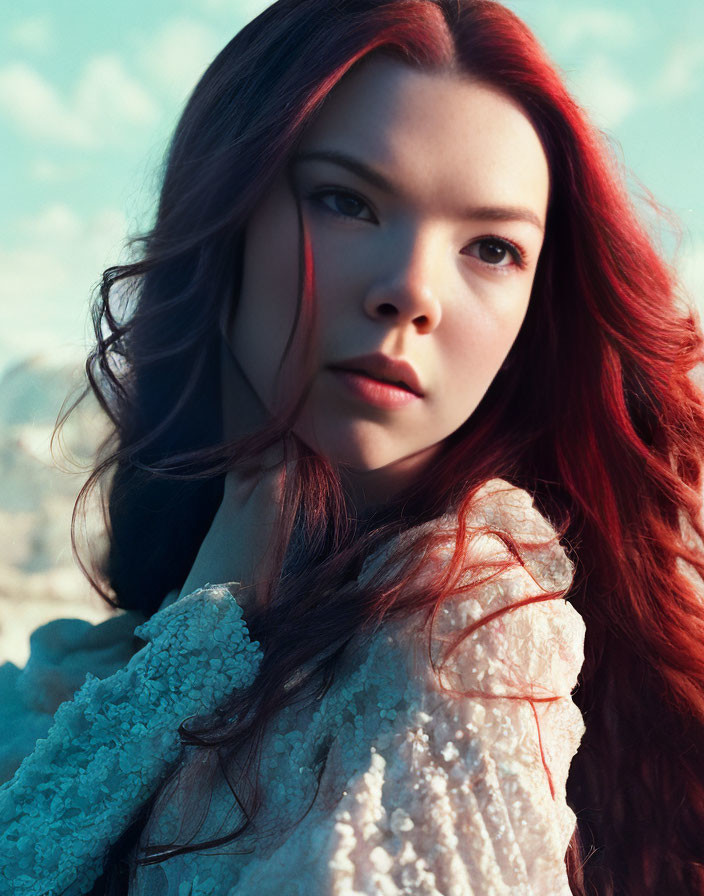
[399, 411]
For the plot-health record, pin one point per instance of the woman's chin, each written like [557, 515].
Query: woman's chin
[367, 455]
[346, 449]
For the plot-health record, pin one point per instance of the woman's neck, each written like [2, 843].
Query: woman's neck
[371, 488]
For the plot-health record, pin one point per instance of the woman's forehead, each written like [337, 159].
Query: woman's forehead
[436, 138]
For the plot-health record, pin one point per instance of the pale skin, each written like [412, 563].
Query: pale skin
[437, 272]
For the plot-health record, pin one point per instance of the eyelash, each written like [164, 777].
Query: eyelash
[516, 252]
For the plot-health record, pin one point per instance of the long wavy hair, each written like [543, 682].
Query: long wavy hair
[595, 414]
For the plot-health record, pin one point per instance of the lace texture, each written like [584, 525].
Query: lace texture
[110, 746]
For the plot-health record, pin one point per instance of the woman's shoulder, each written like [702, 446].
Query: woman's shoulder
[501, 523]
[509, 605]
[517, 600]
[502, 514]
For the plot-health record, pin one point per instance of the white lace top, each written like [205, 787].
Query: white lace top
[423, 793]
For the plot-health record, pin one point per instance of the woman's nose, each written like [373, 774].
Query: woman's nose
[408, 293]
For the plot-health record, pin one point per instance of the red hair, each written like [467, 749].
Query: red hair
[595, 414]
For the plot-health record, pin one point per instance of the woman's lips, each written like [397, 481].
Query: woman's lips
[373, 391]
[379, 366]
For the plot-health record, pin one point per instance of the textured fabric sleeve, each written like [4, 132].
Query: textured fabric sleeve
[62, 653]
[110, 746]
[470, 798]
[450, 796]
[467, 798]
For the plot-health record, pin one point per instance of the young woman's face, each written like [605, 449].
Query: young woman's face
[429, 260]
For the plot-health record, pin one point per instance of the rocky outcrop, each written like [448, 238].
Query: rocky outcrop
[39, 577]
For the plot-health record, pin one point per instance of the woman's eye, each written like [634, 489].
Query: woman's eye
[497, 253]
[342, 203]
[492, 251]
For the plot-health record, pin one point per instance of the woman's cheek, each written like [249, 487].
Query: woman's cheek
[479, 347]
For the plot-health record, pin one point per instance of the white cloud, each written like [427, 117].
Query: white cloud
[683, 70]
[178, 54]
[604, 92]
[107, 93]
[35, 33]
[38, 110]
[55, 223]
[47, 171]
[591, 24]
[46, 277]
[106, 103]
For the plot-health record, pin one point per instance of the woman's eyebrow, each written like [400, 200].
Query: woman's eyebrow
[360, 168]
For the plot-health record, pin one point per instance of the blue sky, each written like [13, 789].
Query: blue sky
[89, 94]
